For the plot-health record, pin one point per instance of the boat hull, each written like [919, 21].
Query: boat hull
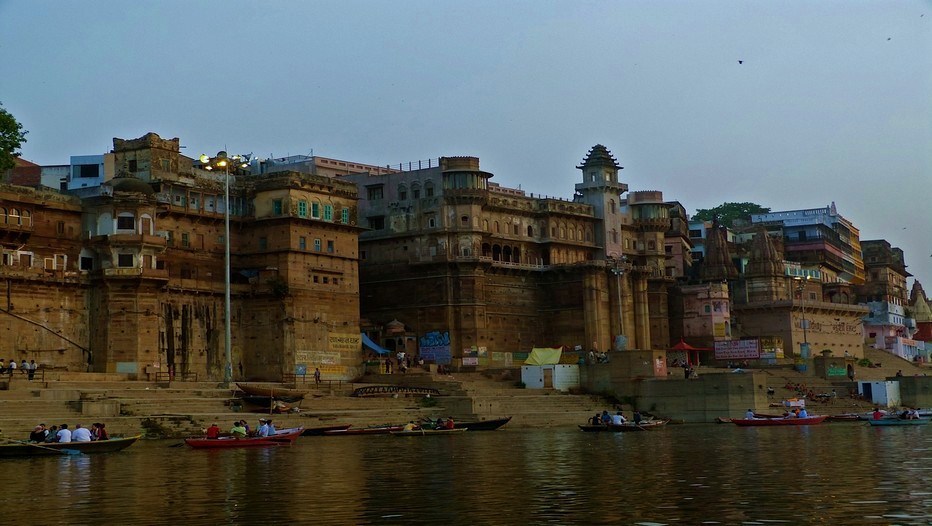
[319, 431]
[22, 449]
[763, 422]
[429, 432]
[627, 427]
[483, 425]
[382, 430]
[884, 422]
[285, 437]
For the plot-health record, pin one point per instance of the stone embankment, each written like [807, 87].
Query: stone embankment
[180, 409]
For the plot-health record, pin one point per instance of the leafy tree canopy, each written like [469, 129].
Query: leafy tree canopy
[12, 137]
[727, 213]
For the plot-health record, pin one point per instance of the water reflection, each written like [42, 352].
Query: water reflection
[834, 474]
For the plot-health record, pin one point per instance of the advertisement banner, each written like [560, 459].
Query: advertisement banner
[737, 350]
[344, 342]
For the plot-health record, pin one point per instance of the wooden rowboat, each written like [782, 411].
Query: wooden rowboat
[808, 421]
[428, 432]
[899, 422]
[374, 430]
[623, 428]
[482, 425]
[284, 437]
[28, 449]
[319, 431]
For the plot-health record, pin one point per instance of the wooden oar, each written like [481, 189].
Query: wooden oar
[55, 449]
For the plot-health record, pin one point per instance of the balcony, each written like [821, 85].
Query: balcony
[135, 272]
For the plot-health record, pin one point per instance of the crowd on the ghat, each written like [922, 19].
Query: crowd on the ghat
[62, 434]
[241, 429]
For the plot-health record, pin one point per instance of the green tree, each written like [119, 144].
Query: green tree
[727, 213]
[12, 137]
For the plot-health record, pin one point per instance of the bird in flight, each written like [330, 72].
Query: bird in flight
[740, 62]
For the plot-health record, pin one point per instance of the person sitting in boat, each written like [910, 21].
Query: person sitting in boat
[52, 435]
[213, 431]
[238, 431]
[792, 414]
[449, 423]
[81, 434]
[802, 413]
[618, 419]
[263, 428]
[99, 432]
[749, 415]
[877, 414]
[410, 426]
[606, 418]
[64, 434]
[38, 434]
[637, 418]
[596, 420]
[272, 429]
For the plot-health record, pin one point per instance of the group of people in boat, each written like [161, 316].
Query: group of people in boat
[241, 429]
[440, 423]
[62, 434]
[909, 413]
[606, 419]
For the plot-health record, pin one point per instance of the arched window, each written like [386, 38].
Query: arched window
[497, 228]
[428, 189]
[415, 191]
[530, 231]
[402, 192]
[14, 217]
[651, 245]
[26, 218]
[614, 236]
[485, 225]
[562, 232]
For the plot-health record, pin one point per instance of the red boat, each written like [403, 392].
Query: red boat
[808, 421]
[284, 437]
[375, 430]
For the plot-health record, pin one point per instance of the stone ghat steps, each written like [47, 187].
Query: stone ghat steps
[38, 409]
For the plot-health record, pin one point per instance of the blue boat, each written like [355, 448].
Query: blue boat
[900, 422]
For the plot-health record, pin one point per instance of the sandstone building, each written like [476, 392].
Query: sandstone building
[129, 276]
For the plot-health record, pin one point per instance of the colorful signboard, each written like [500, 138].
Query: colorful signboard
[435, 347]
[737, 350]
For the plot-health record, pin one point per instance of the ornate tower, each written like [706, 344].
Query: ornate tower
[765, 273]
[600, 189]
[717, 265]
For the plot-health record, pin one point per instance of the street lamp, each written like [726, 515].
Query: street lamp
[801, 288]
[618, 270]
[210, 163]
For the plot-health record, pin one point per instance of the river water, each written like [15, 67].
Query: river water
[840, 473]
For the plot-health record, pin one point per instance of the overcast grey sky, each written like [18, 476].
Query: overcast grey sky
[833, 100]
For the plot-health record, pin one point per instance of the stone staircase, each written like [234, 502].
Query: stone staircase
[185, 409]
